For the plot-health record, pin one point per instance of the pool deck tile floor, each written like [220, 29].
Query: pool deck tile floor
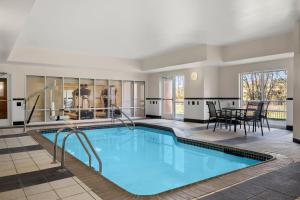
[27, 172]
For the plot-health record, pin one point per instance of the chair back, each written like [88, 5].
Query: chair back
[266, 108]
[251, 109]
[259, 110]
[254, 109]
[219, 104]
[212, 109]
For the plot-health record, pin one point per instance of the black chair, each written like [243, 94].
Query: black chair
[215, 115]
[258, 116]
[253, 113]
[265, 113]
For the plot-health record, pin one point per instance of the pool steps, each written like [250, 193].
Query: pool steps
[77, 132]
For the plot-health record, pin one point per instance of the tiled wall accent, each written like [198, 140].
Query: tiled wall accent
[196, 108]
[227, 149]
[153, 106]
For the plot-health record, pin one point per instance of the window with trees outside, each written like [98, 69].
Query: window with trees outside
[179, 97]
[268, 86]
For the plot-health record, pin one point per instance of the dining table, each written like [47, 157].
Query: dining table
[238, 111]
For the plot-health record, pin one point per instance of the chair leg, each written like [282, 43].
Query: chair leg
[208, 123]
[245, 128]
[262, 129]
[268, 124]
[216, 124]
[249, 127]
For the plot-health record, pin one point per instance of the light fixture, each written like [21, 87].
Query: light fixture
[194, 76]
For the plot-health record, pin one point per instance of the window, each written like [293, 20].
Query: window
[179, 97]
[36, 93]
[101, 98]
[2, 87]
[54, 102]
[82, 98]
[86, 99]
[115, 93]
[128, 98]
[3, 98]
[266, 86]
[71, 98]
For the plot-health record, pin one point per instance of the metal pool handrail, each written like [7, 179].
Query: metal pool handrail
[55, 141]
[76, 132]
[129, 119]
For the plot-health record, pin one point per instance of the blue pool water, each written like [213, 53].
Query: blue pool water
[149, 161]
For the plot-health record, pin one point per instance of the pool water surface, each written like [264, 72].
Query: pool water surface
[149, 161]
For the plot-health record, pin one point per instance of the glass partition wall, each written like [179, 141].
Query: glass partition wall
[82, 99]
[54, 98]
[33, 86]
[128, 101]
[101, 99]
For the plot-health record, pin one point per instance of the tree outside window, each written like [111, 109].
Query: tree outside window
[266, 86]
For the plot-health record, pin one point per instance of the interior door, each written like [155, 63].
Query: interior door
[167, 99]
[4, 107]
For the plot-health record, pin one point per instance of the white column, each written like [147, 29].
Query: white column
[296, 70]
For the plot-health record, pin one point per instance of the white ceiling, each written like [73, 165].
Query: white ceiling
[13, 14]
[141, 28]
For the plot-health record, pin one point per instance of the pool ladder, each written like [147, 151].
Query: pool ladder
[77, 133]
[132, 127]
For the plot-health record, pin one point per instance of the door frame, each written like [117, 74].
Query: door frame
[174, 97]
[7, 122]
[168, 116]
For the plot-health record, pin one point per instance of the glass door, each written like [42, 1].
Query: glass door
[4, 120]
[179, 97]
[167, 98]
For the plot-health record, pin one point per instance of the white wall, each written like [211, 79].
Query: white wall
[177, 57]
[55, 58]
[18, 75]
[273, 45]
[296, 85]
[296, 108]
[192, 88]
[205, 86]
[211, 82]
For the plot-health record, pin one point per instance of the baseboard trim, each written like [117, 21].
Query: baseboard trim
[296, 140]
[18, 123]
[195, 120]
[290, 128]
[153, 116]
[211, 98]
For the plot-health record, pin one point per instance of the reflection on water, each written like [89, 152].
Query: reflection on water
[149, 161]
